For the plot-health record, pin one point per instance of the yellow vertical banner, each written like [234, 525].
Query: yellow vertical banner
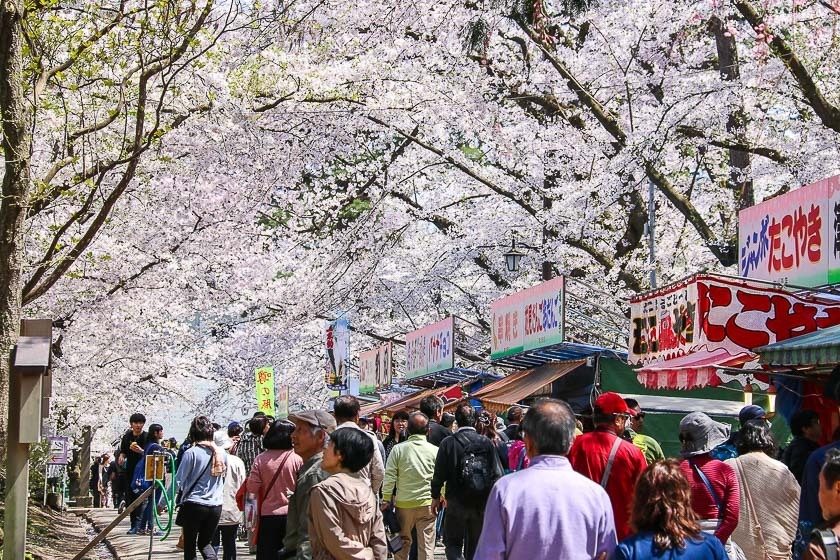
[283, 402]
[264, 378]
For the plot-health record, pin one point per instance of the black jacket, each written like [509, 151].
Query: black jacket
[437, 433]
[795, 455]
[448, 462]
[511, 431]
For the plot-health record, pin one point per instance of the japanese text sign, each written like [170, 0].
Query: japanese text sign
[59, 450]
[375, 369]
[154, 467]
[283, 402]
[526, 320]
[338, 354]
[793, 238]
[430, 349]
[707, 312]
[264, 378]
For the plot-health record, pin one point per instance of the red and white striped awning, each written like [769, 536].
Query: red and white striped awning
[692, 371]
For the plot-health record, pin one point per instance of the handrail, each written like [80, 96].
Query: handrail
[101, 536]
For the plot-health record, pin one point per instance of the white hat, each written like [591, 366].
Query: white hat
[222, 440]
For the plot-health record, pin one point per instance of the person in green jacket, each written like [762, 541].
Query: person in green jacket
[649, 447]
[410, 467]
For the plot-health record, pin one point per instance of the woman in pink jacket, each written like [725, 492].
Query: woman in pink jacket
[272, 478]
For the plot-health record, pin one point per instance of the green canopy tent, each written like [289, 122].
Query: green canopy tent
[664, 408]
[808, 371]
[818, 348]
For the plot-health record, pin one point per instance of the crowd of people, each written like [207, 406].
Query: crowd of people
[323, 485]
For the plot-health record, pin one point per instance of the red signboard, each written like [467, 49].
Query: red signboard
[707, 312]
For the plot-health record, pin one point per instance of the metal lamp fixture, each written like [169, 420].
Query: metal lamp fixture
[748, 393]
[771, 399]
[513, 257]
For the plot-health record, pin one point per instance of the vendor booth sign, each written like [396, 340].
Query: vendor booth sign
[338, 354]
[526, 320]
[283, 402]
[430, 349]
[264, 381]
[793, 238]
[375, 369]
[720, 315]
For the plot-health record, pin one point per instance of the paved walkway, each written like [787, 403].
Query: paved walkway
[135, 547]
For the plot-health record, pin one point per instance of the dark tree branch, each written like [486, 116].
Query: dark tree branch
[157, 261]
[458, 165]
[636, 220]
[731, 143]
[829, 114]
[740, 181]
[141, 142]
[444, 224]
[725, 254]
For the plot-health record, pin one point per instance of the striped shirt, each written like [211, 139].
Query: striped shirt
[249, 447]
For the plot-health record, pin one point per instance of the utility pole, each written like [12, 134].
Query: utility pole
[28, 404]
[650, 230]
[546, 265]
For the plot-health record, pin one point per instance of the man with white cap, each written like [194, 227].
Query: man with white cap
[235, 477]
[310, 438]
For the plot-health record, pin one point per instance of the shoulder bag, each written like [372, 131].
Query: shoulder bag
[828, 541]
[708, 484]
[759, 531]
[610, 460]
[262, 495]
[732, 549]
[273, 480]
[179, 521]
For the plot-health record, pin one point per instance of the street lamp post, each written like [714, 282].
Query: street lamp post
[546, 264]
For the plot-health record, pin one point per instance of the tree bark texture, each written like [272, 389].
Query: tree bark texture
[740, 178]
[17, 143]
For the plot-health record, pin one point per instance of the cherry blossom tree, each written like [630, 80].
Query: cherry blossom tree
[377, 157]
[87, 91]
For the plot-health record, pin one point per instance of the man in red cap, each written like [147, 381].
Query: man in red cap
[604, 457]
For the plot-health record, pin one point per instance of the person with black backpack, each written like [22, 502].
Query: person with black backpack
[467, 463]
[824, 539]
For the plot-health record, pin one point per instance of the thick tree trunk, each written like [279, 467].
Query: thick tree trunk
[17, 141]
[740, 178]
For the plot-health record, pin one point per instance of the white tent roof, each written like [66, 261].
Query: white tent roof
[684, 405]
